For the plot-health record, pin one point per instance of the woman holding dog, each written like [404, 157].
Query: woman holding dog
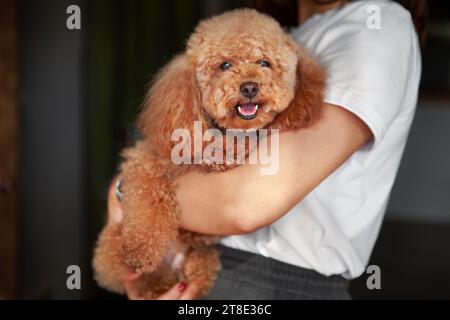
[304, 232]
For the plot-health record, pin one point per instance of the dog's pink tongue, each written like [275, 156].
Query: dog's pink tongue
[248, 109]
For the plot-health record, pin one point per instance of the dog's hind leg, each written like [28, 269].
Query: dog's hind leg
[109, 266]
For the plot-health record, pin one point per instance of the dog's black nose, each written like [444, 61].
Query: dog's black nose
[249, 89]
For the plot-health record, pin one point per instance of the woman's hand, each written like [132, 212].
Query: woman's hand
[180, 291]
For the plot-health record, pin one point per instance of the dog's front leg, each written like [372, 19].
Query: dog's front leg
[150, 222]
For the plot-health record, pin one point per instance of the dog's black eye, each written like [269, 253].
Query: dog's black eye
[264, 63]
[225, 66]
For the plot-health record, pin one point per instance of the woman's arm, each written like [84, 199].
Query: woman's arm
[242, 200]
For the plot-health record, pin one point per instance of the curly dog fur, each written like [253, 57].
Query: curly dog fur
[195, 86]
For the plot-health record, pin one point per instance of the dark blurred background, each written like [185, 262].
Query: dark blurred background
[68, 99]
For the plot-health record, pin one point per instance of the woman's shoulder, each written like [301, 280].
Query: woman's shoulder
[388, 5]
[372, 57]
[360, 10]
[358, 21]
[380, 14]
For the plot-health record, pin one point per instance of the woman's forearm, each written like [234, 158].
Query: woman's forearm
[230, 202]
[242, 200]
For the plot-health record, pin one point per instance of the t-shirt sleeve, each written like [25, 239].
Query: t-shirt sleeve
[369, 68]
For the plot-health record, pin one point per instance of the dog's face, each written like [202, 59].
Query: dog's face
[245, 66]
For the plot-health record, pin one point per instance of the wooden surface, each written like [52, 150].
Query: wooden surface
[8, 147]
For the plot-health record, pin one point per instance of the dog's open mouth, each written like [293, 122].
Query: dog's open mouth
[247, 111]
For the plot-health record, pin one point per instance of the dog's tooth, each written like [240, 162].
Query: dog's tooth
[256, 107]
[239, 109]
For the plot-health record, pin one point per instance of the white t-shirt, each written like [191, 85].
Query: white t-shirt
[374, 73]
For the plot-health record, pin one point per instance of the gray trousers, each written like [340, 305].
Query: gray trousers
[246, 275]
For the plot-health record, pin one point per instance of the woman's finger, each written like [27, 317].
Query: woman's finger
[175, 292]
[132, 276]
[131, 291]
[128, 281]
[191, 292]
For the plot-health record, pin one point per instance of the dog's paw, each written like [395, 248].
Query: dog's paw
[144, 249]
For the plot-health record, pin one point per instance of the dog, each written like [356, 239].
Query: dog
[240, 70]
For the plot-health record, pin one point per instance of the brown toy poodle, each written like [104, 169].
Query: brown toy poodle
[240, 70]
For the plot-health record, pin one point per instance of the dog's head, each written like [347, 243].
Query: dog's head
[240, 70]
[245, 68]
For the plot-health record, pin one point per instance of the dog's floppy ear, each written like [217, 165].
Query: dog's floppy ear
[305, 108]
[173, 102]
